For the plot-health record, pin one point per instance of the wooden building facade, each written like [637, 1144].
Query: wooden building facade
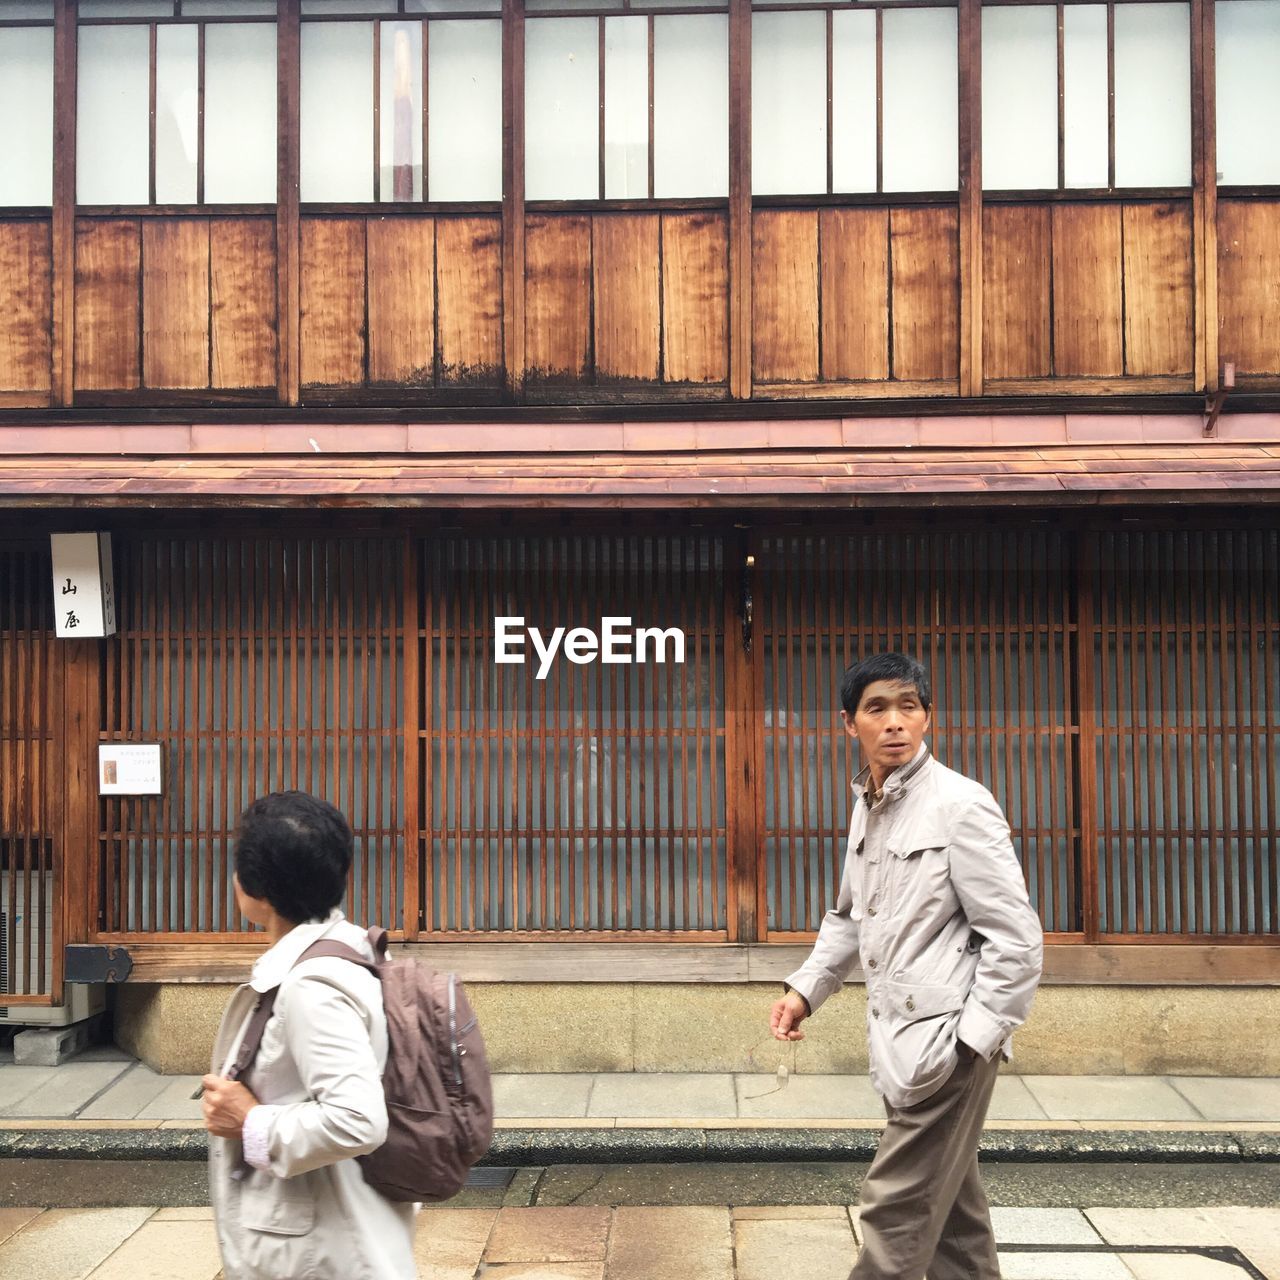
[806, 329]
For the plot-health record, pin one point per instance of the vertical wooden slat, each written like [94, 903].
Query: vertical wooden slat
[855, 294]
[970, 228]
[513, 216]
[925, 291]
[242, 271]
[743, 674]
[26, 259]
[469, 292]
[558, 302]
[1204, 179]
[1158, 289]
[1085, 665]
[63, 229]
[407, 646]
[695, 297]
[1016, 289]
[626, 290]
[288, 220]
[741, 304]
[401, 288]
[108, 266]
[333, 320]
[175, 302]
[785, 295]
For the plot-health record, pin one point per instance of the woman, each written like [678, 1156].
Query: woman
[289, 1199]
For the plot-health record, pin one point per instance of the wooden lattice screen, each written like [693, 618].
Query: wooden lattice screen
[1187, 698]
[258, 664]
[989, 612]
[592, 800]
[30, 862]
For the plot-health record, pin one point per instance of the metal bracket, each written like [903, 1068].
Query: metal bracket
[96, 964]
[1213, 403]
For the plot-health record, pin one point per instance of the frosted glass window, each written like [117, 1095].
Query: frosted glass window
[788, 103]
[453, 6]
[240, 113]
[228, 9]
[113, 143]
[347, 6]
[400, 113]
[1084, 101]
[1248, 53]
[626, 108]
[691, 106]
[15, 9]
[337, 111]
[1153, 95]
[920, 95]
[1020, 97]
[464, 99]
[126, 9]
[26, 94]
[853, 106]
[177, 113]
[562, 109]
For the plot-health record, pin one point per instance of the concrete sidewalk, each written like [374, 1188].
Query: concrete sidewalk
[104, 1086]
[818, 1242]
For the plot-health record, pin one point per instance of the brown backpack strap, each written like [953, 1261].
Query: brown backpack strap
[263, 1010]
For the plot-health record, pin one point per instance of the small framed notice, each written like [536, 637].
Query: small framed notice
[129, 769]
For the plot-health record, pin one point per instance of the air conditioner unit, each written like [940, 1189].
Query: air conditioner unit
[80, 1001]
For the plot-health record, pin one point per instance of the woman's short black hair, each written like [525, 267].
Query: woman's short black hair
[294, 850]
[883, 666]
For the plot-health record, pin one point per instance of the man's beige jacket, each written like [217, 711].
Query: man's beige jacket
[934, 903]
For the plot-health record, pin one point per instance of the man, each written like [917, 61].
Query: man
[934, 903]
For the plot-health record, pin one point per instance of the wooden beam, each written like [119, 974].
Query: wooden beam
[970, 49]
[1204, 200]
[62, 373]
[82, 673]
[513, 215]
[740, 214]
[288, 234]
[1066, 964]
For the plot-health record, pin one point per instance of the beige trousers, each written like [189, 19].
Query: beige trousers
[924, 1211]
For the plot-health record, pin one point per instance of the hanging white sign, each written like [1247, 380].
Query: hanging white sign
[84, 592]
[129, 769]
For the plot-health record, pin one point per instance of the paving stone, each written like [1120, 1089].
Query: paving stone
[137, 1087]
[66, 1244]
[194, 1213]
[1012, 1100]
[1120, 1226]
[1255, 1232]
[1063, 1266]
[13, 1220]
[664, 1094]
[559, 1097]
[164, 1251]
[1109, 1098]
[1180, 1266]
[17, 1082]
[175, 1102]
[449, 1243]
[671, 1244]
[577, 1234]
[790, 1213]
[1231, 1098]
[818, 1249]
[807, 1098]
[66, 1089]
[541, 1271]
[1042, 1226]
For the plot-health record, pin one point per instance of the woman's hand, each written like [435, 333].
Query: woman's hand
[226, 1103]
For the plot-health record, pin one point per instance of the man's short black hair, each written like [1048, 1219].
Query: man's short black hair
[294, 850]
[884, 666]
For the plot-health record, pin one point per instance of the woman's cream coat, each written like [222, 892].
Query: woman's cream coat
[318, 1075]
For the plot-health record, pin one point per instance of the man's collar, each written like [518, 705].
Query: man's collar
[897, 781]
[270, 968]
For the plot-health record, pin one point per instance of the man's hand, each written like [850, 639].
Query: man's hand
[226, 1103]
[787, 1015]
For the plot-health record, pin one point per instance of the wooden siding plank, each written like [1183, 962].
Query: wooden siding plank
[925, 280]
[175, 302]
[1016, 324]
[333, 301]
[855, 294]
[108, 305]
[402, 333]
[558, 296]
[26, 306]
[1158, 332]
[1249, 285]
[242, 257]
[695, 297]
[469, 299]
[625, 283]
[1087, 329]
[785, 295]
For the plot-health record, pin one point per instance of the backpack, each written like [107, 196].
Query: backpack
[436, 1081]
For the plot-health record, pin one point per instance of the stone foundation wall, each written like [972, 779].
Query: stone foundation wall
[1073, 1030]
